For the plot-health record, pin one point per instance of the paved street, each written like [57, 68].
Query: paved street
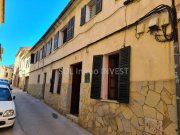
[36, 118]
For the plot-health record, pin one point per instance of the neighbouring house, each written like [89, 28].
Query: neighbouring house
[2, 11]
[6, 72]
[109, 66]
[21, 68]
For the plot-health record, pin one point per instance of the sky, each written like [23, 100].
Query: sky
[25, 23]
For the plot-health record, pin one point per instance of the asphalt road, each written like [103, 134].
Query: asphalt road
[36, 118]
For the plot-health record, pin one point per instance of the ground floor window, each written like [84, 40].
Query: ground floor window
[113, 76]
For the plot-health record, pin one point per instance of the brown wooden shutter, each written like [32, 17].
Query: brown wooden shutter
[124, 78]
[96, 77]
[98, 6]
[32, 58]
[60, 80]
[50, 45]
[83, 16]
[70, 29]
[52, 81]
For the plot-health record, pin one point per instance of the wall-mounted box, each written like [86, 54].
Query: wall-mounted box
[154, 24]
[140, 28]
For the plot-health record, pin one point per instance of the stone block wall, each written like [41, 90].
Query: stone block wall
[151, 111]
[57, 101]
[35, 90]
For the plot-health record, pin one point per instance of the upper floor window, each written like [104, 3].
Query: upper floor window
[64, 32]
[44, 51]
[90, 10]
[49, 46]
[67, 33]
[56, 39]
[40, 54]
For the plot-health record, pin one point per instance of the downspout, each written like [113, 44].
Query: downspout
[177, 64]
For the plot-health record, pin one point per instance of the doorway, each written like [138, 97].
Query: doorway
[76, 82]
[26, 83]
[44, 85]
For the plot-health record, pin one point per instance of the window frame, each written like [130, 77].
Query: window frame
[56, 40]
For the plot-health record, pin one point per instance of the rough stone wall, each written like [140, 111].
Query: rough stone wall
[58, 101]
[35, 90]
[151, 111]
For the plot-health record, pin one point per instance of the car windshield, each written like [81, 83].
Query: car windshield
[5, 95]
[4, 83]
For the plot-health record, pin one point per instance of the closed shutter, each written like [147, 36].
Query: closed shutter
[36, 56]
[70, 29]
[52, 81]
[96, 77]
[60, 80]
[50, 45]
[98, 6]
[43, 52]
[124, 78]
[83, 15]
[32, 58]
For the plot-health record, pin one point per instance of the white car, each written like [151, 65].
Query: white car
[7, 107]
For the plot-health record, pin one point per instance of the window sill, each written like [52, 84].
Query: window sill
[109, 101]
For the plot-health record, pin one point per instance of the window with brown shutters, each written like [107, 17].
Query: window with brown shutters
[52, 81]
[98, 6]
[70, 29]
[83, 16]
[32, 58]
[96, 77]
[60, 80]
[124, 76]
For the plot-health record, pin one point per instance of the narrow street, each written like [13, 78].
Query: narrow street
[36, 118]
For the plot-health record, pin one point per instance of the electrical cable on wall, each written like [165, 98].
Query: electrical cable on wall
[156, 10]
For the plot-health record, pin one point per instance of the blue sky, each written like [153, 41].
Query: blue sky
[25, 22]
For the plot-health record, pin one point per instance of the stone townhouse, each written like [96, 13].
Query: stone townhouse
[2, 11]
[21, 68]
[6, 72]
[109, 66]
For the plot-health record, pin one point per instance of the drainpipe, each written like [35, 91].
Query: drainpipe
[177, 64]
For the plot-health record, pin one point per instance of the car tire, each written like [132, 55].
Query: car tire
[11, 126]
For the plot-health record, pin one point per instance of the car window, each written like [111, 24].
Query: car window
[5, 95]
[4, 83]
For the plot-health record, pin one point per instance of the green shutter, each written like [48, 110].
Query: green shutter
[52, 81]
[98, 6]
[60, 80]
[70, 29]
[83, 16]
[96, 77]
[124, 75]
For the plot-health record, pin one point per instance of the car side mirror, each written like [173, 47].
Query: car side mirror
[14, 97]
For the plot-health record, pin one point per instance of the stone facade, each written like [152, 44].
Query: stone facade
[6, 72]
[151, 111]
[21, 68]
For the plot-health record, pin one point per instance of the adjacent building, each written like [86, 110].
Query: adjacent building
[21, 68]
[109, 66]
[2, 14]
[2, 11]
[6, 72]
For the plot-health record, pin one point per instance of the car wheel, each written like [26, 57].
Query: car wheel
[11, 126]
